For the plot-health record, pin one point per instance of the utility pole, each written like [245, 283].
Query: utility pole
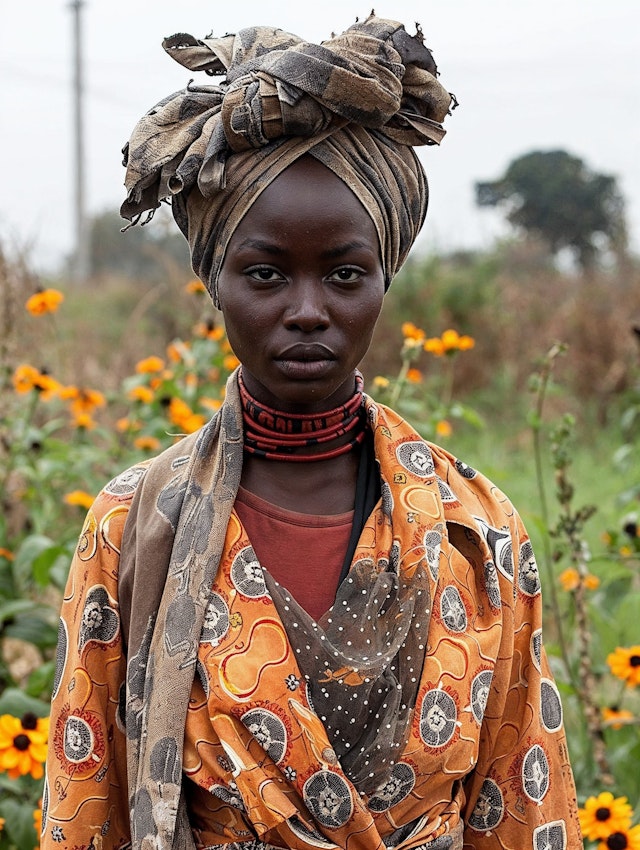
[81, 249]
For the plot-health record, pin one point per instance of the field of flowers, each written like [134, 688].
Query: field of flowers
[60, 442]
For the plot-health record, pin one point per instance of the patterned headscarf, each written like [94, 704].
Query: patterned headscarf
[358, 103]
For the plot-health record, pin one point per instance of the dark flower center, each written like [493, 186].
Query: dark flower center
[617, 841]
[29, 720]
[21, 742]
[634, 661]
[603, 813]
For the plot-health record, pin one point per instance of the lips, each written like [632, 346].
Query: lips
[306, 352]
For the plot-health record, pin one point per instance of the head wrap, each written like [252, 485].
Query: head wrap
[357, 103]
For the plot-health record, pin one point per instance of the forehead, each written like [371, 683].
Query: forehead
[308, 197]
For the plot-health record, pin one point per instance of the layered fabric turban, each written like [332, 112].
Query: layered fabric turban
[358, 103]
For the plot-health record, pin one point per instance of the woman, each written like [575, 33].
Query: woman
[303, 626]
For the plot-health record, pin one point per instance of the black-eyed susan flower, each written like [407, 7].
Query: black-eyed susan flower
[616, 718]
[414, 376]
[80, 498]
[444, 428]
[44, 301]
[622, 839]
[603, 815]
[208, 330]
[82, 399]
[150, 365]
[624, 663]
[23, 745]
[83, 421]
[450, 342]
[27, 378]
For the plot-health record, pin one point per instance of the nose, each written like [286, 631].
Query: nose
[307, 309]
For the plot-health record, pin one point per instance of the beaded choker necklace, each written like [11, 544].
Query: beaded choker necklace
[276, 435]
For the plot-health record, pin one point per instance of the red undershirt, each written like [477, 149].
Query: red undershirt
[303, 552]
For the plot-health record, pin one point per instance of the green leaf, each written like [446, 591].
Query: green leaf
[48, 561]
[15, 702]
[41, 680]
[9, 610]
[30, 549]
[33, 629]
[19, 823]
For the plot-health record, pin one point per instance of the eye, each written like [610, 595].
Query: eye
[264, 274]
[346, 274]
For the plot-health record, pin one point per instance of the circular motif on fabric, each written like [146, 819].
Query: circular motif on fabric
[216, 620]
[535, 774]
[396, 788]
[246, 574]
[438, 718]
[489, 808]
[416, 457]
[528, 576]
[504, 557]
[465, 470]
[432, 543]
[550, 836]
[492, 585]
[550, 706]
[229, 795]
[328, 798]
[536, 647]
[452, 610]
[268, 730]
[100, 620]
[62, 648]
[387, 499]
[446, 493]
[480, 694]
[127, 482]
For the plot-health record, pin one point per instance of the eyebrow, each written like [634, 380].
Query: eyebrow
[330, 253]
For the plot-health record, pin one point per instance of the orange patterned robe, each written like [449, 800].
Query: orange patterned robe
[485, 763]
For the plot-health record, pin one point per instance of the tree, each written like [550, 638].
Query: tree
[554, 195]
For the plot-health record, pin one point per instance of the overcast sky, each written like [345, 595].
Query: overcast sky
[529, 76]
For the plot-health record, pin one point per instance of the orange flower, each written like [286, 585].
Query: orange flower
[195, 287]
[616, 717]
[625, 664]
[380, 382]
[414, 376]
[79, 498]
[27, 378]
[125, 424]
[603, 815]
[5, 553]
[208, 330]
[177, 350]
[23, 745]
[142, 394]
[410, 331]
[622, 839]
[83, 421]
[147, 443]
[570, 580]
[83, 400]
[150, 365]
[44, 301]
[211, 403]
[2, 823]
[230, 362]
[449, 342]
[37, 819]
[182, 416]
[444, 428]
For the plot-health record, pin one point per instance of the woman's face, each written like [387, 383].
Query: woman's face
[301, 288]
